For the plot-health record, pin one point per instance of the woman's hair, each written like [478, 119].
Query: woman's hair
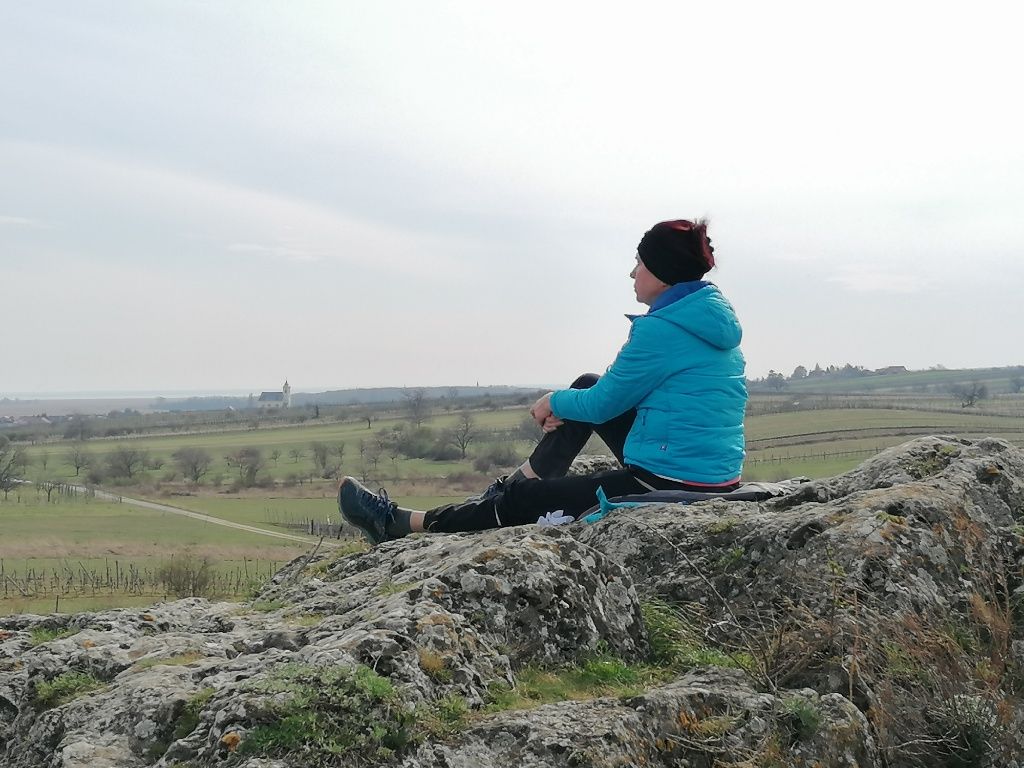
[677, 251]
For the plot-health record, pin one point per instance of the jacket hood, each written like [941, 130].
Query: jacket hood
[705, 313]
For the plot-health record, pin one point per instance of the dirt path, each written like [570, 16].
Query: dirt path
[308, 541]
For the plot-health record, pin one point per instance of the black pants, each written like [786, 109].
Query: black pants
[524, 501]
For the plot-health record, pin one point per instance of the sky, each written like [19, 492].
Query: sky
[218, 196]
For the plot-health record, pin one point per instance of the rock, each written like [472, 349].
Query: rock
[869, 619]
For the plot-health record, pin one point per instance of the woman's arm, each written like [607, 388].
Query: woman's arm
[638, 369]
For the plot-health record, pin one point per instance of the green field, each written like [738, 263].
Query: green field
[788, 435]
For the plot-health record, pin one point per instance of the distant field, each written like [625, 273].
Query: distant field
[69, 547]
[58, 552]
[789, 434]
[820, 443]
[830, 422]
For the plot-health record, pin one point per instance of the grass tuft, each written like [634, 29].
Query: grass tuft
[41, 636]
[189, 718]
[64, 688]
[676, 644]
[328, 715]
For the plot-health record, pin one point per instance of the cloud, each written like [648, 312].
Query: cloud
[116, 204]
[21, 221]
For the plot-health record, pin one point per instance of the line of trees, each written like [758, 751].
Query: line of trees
[413, 439]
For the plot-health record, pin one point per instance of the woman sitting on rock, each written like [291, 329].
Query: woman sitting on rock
[670, 407]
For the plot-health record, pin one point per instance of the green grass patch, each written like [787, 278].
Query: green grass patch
[189, 718]
[41, 635]
[803, 718]
[98, 530]
[601, 675]
[394, 587]
[731, 558]
[677, 643]
[444, 717]
[326, 715]
[64, 688]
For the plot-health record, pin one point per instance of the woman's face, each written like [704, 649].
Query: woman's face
[646, 286]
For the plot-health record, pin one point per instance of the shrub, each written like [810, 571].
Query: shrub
[496, 455]
[184, 576]
[443, 450]
[416, 443]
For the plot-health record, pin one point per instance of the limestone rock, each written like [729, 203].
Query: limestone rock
[869, 619]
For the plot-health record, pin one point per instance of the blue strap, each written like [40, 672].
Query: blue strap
[609, 506]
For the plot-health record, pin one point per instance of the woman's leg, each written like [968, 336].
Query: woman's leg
[555, 452]
[527, 500]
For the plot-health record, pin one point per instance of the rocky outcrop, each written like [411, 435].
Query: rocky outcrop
[871, 619]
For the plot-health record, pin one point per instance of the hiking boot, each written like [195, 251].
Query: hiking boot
[377, 516]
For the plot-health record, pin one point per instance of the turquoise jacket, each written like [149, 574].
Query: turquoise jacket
[683, 371]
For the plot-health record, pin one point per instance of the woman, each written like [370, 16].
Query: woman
[670, 407]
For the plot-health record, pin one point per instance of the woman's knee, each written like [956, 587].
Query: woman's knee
[585, 381]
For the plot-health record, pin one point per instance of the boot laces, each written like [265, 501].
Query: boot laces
[381, 503]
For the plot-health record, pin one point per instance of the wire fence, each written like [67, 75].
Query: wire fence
[822, 456]
[128, 578]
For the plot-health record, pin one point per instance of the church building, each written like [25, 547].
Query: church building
[282, 399]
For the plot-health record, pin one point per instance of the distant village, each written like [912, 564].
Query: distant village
[269, 400]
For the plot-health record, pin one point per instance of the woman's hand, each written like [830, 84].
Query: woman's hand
[541, 413]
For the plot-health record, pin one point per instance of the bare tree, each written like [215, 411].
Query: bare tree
[969, 394]
[295, 454]
[78, 458]
[339, 451]
[11, 463]
[373, 454]
[464, 432]
[44, 459]
[126, 461]
[416, 402]
[275, 455]
[248, 461]
[321, 451]
[193, 463]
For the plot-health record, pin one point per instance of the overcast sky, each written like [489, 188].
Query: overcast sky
[217, 195]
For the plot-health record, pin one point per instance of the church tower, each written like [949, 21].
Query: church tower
[286, 390]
